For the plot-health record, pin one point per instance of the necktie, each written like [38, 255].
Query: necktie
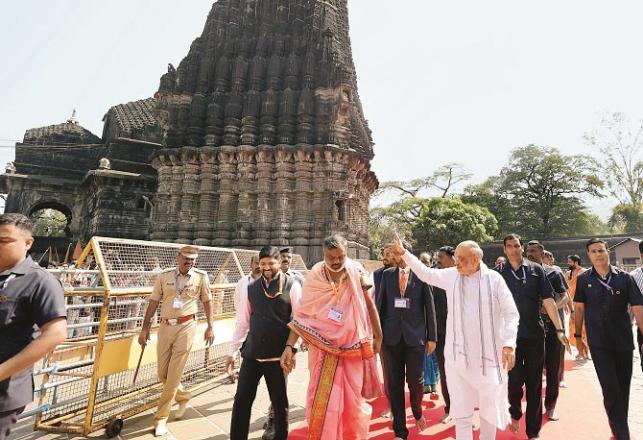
[404, 279]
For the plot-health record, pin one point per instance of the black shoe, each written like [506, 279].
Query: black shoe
[269, 433]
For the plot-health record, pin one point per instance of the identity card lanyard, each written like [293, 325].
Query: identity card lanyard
[178, 301]
[606, 283]
[335, 313]
[524, 275]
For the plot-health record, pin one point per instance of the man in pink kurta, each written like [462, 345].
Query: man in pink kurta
[337, 318]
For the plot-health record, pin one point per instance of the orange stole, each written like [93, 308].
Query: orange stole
[322, 396]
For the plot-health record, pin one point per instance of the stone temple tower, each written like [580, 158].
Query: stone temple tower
[264, 138]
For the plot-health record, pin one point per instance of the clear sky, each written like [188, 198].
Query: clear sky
[462, 81]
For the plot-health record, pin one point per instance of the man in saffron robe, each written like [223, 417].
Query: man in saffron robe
[338, 320]
[477, 357]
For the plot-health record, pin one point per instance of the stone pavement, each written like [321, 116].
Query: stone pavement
[208, 415]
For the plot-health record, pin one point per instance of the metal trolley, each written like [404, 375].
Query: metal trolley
[87, 383]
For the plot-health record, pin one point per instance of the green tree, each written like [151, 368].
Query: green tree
[443, 180]
[49, 223]
[627, 218]
[449, 221]
[620, 143]
[538, 193]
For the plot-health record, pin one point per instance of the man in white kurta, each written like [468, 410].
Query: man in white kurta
[482, 324]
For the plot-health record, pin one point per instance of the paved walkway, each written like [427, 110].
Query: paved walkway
[208, 416]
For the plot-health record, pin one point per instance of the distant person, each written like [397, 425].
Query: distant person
[446, 259]
[500, 260]
[29, 296]
[575, 269]
[426, 259]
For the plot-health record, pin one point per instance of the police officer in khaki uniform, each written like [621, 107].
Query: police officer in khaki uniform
[178, 290]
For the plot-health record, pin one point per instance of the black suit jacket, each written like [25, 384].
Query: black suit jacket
[377, 281]
[416, 325]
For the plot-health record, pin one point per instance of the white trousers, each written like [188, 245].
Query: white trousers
[464, 429]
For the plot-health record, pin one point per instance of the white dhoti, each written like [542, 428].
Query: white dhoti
[482, 319]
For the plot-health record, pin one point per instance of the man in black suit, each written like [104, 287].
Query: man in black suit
[446, 259]
[407, 313]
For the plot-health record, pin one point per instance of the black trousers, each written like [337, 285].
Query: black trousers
[401, 360]
[553, 352]
[7, 420]
[614, 370]
[639, 339]
[528, 371]
[249, 376]
[439, 352]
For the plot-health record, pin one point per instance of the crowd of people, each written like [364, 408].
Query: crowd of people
[485, 335]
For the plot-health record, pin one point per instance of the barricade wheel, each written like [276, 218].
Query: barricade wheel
[113, 428]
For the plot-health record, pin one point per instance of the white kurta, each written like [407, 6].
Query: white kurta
[482, 319]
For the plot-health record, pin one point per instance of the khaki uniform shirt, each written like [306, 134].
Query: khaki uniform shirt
[196, 288]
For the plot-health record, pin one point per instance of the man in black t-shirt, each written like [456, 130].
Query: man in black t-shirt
[29, 296]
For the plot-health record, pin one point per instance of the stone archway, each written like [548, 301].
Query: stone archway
[51, 218]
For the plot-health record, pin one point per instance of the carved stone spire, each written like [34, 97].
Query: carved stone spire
[266, 139]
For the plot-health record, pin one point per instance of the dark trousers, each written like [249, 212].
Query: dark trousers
[249, 376]
[7, 420]
[439, 352]
[614, 370]
[639, 339]
[401, 359]
[553, 351]
[528, 371]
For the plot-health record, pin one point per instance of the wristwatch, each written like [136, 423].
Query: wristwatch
[577, 335]
[294, 350]
[560, 330]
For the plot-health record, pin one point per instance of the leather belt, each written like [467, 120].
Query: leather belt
[177, 321]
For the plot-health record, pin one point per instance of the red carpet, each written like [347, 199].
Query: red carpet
[580, 408]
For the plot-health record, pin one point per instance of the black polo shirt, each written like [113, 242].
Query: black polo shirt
[529, 287]
[606, 309]
[30, 297]
[557, 280]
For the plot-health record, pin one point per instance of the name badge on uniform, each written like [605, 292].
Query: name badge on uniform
[402, 303]
[177, 303]
[335, 315]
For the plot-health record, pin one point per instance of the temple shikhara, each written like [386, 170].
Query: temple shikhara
[257, 137]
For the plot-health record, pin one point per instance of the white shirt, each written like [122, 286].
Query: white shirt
[244, 310]
[241, 289]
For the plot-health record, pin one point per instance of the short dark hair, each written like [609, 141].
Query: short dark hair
[449, 250]
[511, 237]
[575, 258]
[285, 250]
[335, 241]
[269, 252]
[641, 247]
[595, 240]
[20, 221]
[536, 243]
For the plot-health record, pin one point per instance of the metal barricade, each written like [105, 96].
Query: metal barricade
[87, 383]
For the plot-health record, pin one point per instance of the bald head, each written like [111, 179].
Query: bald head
[468, 255]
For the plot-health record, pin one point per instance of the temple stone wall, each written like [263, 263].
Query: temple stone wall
[252, 196]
